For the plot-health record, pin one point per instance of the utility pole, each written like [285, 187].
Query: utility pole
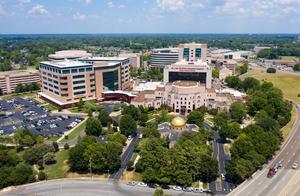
[91, 168]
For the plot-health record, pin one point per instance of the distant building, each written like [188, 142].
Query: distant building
[10, 79]
[164, 56]
[224, 72]
[192, 52]
[259, 48]
[69, 54]
[134, 58]
[225, 54]
[64, 82]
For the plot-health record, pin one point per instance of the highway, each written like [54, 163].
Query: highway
[80, 187]
[287, 180]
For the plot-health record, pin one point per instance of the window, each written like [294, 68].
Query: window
[63, 78]
[89, 69]
[79, 82]
[64, 95]
[64, 89]
[79, 87]
[79, 93]
[81, 70]
[74, 70]
[63, 83]
[78, 76]
[66, 71]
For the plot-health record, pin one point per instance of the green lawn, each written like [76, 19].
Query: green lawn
[60, 168]
[75, 133]
[289, 57]
[287, 128]
[53, 138]
[76, 110]
[21, 95]
[288, 82]
[50, 107]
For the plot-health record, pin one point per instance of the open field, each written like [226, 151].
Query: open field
[290, 57]
[60, 168]
[288, 82]
[287, 128]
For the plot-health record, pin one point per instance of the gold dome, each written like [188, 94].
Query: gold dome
[178, 122]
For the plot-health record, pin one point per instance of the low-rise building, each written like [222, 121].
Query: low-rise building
[69, 54]
[164, 56]
[134, 58]
[10, 79]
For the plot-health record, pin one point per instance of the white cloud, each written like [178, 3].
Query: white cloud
[38, 9]
[78, 16]
[24, 1]
[121, 6]
[259, 8]
[110, 4]
[88, 1]
[170, 5]
[2, 11]
[197, 5]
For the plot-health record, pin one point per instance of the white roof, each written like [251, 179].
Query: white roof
[148, 86]
[97, 58]
[65, 54]
[65, 63]
[231, 91]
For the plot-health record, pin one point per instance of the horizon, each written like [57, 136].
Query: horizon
[150, 17]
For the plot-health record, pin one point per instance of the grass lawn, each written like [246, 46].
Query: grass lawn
[132, 176]
[50, 107]
[287, 128]
[289, 57]
[53, 138]
[289, 83]
[76, 110]
[75, 133]
[20, 95]
[60, 168]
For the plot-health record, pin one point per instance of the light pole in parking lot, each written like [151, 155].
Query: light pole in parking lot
[91, 167]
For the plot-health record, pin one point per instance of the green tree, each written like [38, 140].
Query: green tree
[215, 73]
[159, 192]
[271, 70]
[233, 82]
[250, 83]
[80, 104]
[66, 146]
[49, 158]
[55, 146]
[238, 111]
[104, 118]
[133, 111]
[32, 155]
[127, 125]
[195, 117]
[93, 127]
[296, 67]
[22, 174]
[42, 176]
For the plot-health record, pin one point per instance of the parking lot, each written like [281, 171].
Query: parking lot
[26, 113]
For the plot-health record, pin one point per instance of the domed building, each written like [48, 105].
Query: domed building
[176, 128]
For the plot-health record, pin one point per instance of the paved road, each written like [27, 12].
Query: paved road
[126, 157]
[286, 180]
[71, 187]
[220, 186]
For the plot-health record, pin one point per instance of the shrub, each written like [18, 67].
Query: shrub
[42, 176]
[66, 146]
[271, 70]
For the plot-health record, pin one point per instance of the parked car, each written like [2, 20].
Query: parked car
[142, 184]
[295, 165]
[197, 190]
[131, 183]
[177, 188]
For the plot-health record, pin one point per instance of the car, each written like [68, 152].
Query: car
[197, 190]
[223, 176]
[164, 186]
[152, 185]
[295, 165]
[142, 184]
[129, 137]
[187, 189]
[177, 188]
[132, 183]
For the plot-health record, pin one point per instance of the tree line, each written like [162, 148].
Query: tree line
[255, 144]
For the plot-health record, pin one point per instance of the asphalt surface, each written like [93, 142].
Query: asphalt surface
[126, 157]
[220, 186]
[72, 187]
[287, 180]
[25, 113]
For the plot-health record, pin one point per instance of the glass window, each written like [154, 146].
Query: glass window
[78, 76]
[66, 71]
[81, 70]
[74, 70]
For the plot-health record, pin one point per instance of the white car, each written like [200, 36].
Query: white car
[295, 165]
[223, 176]
[142, 184]
[177, 188]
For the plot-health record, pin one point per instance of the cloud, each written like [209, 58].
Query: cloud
[197, 5]
[170, 5]
[38, 9]
[24, 1]
[2, 11]
[258, 8]
[110, 4]
[121, 6]
[78, 16]
[88, 1]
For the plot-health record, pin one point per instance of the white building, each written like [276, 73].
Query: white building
[69, 54]
[134, 58]
[164, 56]
[189, 71]
[192, 52]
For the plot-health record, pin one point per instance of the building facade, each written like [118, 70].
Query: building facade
[123, 63]
[10, 79]
[135, 59]
[192, 52]
[198, 71]
[65, 82]
[164, 56]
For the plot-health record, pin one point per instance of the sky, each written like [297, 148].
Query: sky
[149, 16]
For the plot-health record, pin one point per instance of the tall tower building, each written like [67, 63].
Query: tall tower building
[192, 52]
